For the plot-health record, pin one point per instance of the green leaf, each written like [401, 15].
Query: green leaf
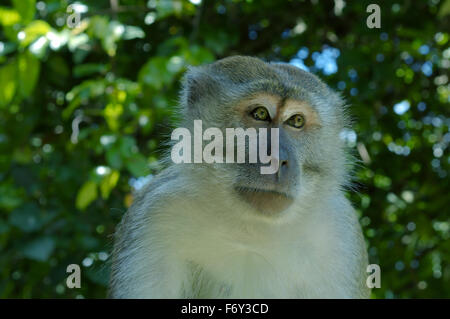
[108, 183]
[39, 249]
[81, 93]
[113, 157]
[89, 69]
[26, 218]
[445, 9]
[167, 8]
[112, 113]
[127, 145]
[29, 217]
[39, 47]
[98, 26]
[26, 9]
[8, 83]
[132, 32]
[8, 17]
[109, 32]
[154, 73]
[86, 195]
[11, 198]
[77, 41]
[29, 67]
[137, 165]
[33, 31]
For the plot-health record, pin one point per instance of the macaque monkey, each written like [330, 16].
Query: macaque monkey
[224, 230]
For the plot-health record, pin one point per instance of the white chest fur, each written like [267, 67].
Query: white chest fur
[294, 260]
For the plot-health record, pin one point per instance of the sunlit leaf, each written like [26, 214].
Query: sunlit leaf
[28, 73]
[26, 9]
[445, 9]
[8, 83]
[112, 113]
[9, 17]
[132, 32]
[33, 31]
[86, 195]
[108, 183]
[81, 93]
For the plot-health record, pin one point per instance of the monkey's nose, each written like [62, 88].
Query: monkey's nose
[282, 164]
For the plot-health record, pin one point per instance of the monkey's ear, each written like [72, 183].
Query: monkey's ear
[198, 83]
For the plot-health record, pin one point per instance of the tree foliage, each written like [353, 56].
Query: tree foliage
[85, 111]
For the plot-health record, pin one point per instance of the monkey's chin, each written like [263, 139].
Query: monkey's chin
[265, 201]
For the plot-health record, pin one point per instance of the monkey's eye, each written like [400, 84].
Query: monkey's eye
[297, 121]
[261, 114]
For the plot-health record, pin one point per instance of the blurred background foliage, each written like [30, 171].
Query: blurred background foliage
[86, 105]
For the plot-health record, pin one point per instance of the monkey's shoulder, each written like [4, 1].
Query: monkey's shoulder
[162, 186]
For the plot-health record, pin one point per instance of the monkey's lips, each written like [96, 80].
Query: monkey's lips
[267, 202]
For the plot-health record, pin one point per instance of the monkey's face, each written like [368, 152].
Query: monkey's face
[296, 121]
[243, 92]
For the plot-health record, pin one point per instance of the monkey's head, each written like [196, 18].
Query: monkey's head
[245, 92]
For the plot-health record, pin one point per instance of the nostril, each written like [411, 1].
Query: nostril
[282, 164]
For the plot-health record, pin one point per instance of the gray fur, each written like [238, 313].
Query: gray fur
[189, 235]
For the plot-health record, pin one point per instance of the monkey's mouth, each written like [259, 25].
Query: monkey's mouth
[267, 202]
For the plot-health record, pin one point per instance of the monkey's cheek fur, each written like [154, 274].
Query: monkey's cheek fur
[265, 202]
